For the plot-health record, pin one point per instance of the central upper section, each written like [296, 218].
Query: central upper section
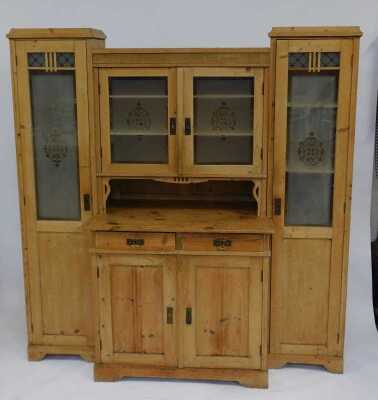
[190, 122]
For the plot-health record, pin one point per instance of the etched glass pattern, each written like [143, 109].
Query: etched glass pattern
[36, 60]
[311, 137]
[65, 60]
[223, 120]
[55, 145]
[330, 59]
[139, 120]
[298, 60]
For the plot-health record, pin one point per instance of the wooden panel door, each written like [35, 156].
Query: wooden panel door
[138, 121]
[53, 144]
[222, 125]
[138, 309]
[221, 302]
[312, 133]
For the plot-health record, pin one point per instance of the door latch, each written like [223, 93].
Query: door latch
[277, 206]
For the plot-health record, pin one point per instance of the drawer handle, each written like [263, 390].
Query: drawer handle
[169, 315]
[222, 243]
[135, 242]
[188, 316]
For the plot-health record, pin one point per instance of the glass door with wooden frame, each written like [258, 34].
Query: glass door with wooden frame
[53, 123]
[223, 122]
[138, 121]
[311, 147]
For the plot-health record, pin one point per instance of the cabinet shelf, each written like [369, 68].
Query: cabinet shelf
[164, 133]
[220, 134]
[223, 96]
[137, 96]
[310, 171]
[311, 105]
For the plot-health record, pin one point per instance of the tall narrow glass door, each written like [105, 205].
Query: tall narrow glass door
[311, 137]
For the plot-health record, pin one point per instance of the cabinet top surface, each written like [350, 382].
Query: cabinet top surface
[55, 33]
[181, 220]
[315, 31]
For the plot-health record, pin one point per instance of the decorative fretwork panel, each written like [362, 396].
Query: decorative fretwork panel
[314, 61]
[51, 61]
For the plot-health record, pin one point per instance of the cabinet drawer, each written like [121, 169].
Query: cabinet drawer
[135, 241]
[245, 243]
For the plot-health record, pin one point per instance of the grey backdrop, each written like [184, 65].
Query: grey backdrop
[194, 23]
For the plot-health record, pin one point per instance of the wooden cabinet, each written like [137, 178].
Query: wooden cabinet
[52, 136]
[314, 99]
[218, 127]
[185, 212]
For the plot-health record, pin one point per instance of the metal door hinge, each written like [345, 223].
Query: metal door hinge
[101, 152]
[263, 88]
[24, 201]
[262, 276]
[260, 350]
[32, 328]
[16, 61]
[338, 338]
[98, 273]
[100, 344]
[261, 153]
[344, 207]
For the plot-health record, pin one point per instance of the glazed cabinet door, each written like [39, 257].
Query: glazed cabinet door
[222, 122]
[138, 309]
[53, 141]
[138, 121]
[221, 302]
[312, 120]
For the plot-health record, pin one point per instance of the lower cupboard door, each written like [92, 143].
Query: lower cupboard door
[137, 309]
[221, 301]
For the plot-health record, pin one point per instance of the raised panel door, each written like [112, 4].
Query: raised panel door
[221, 302]
[138, 309]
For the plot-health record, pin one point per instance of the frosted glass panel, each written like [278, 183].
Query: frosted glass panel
[223, 120]
[139, 120]
[55, 145]
[311, 138]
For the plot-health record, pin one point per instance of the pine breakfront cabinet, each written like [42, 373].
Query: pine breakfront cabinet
[185, 212]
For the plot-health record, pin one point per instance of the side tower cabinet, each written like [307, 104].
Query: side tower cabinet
[49, 74]
[314, 112]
